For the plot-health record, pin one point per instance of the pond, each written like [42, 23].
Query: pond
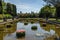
[10, 33]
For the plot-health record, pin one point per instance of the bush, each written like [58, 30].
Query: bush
[20, 34]
[32, 22]
[25, 23]
[34, 27]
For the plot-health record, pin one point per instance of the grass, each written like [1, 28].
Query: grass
[1, 20]
[5, 15]
[1, 16]
[51, 19]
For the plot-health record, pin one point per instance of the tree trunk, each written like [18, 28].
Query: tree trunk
[57, 13]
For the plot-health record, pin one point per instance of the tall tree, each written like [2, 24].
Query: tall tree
[13, 8]
[56, 3]
[9, 8]
[1, 7]
[46, 11]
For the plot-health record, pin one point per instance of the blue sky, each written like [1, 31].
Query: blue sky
[27, 5]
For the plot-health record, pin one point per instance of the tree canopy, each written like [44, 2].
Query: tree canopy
[56, 3]
[53, 2]
[47, 10]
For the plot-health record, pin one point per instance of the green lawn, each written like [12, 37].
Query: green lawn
[53, 19]
[1, 20]
[4, 15]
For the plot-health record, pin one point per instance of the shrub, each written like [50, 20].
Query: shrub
[34, 27]
[25, 23]
[32, 22]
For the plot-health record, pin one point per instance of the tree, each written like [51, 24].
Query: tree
[1, 7]
[11, 9]
[8, 8]
[32, 14]
[56, 3]
[46, 12]
[20, 12]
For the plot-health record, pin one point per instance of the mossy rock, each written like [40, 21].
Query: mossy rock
[32, 22]
[20, 34]
[34, 27]
[8, 26]
[25, 23]
[44, 24]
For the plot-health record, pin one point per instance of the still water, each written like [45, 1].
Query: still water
[10, 33]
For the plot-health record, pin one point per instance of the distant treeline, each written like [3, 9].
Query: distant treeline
[46, 11]
[28, 15]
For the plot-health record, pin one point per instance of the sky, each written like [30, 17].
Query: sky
[27, 5]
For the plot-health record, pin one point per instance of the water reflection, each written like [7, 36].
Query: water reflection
[10, 33]
[30, 34]
[52, 28]
[4, 31]
[1, 35]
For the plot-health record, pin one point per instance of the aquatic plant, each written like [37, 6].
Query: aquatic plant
[34, 27]
[32, 22]
[25, 23]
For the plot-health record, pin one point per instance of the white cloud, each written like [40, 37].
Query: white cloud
[6, 0]
[23, 6]
[26, 8]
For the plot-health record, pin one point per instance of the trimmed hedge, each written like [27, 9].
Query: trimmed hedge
[34, 27]
[25, 23]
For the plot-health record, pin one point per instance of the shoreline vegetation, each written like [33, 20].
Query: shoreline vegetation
[31, 20]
